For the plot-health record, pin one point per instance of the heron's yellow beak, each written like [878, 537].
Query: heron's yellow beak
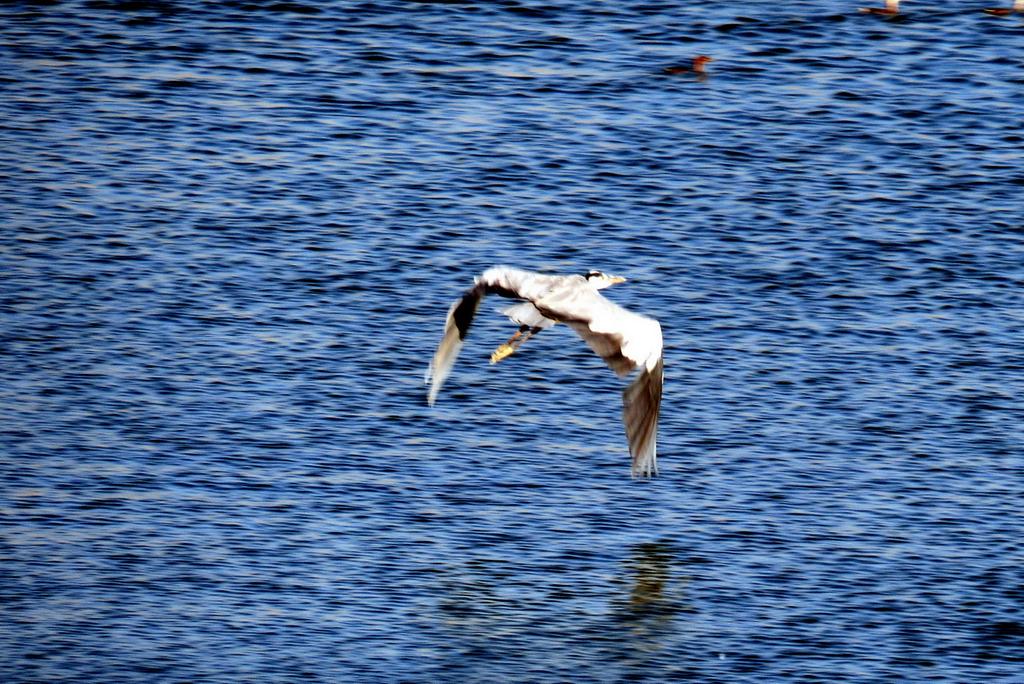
[615, 280]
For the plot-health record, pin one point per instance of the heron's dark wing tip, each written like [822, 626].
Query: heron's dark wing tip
[465, 310]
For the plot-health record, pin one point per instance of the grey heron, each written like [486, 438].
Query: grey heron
[625, 340]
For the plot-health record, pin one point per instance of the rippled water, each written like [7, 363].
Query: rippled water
[229, 239]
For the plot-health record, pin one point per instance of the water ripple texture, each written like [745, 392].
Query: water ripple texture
[230, 235]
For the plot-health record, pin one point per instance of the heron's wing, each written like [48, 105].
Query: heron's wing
[625, 341]
[641, 405]
[501, 280]
[518, 284]
[456, 326]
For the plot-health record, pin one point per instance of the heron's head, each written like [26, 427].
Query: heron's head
[599, 280]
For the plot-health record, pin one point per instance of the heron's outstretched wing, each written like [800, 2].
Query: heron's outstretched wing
[501, 280]
[641, 404]
[456, 326]
[625, 341]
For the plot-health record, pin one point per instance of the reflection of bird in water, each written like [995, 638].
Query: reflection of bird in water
[1018, 6]
[625, 340]
[655, 595]
[650, 573]
[697, 67]
[891, 7]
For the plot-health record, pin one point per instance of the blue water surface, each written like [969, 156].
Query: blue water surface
[231, 231]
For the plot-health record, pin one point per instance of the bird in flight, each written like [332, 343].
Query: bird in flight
[625, 340]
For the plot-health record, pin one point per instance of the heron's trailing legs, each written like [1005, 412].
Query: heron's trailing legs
[514, 342]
